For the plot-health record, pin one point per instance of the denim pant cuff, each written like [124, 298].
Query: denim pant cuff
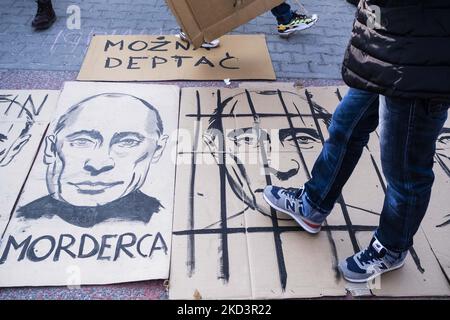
[313, 206]
[390, 248]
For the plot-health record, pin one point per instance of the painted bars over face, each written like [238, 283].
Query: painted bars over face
[102, 149]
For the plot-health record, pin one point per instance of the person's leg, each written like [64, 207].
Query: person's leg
[409, 130]
[352, 122]
[45, 15]
[283, 13]
[290, 21]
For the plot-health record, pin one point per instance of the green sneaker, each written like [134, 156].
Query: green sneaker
[297, 23]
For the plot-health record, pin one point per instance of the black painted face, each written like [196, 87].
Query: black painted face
[102, 153]
[14, 127]
[261, 138]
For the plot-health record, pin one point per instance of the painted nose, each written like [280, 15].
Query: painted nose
[98, 164]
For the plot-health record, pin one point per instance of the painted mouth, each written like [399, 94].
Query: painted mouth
[94, 187]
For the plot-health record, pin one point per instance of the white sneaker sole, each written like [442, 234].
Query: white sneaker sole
[299, 220]
[374, 275]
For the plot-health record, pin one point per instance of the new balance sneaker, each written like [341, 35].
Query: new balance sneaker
[206, 45]
[292, 202]
[45, 15]
[297, 23]
[371, 262]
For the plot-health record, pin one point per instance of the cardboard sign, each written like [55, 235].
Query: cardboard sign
[97, 207]
[228, 243]
[206, 20]
[154, 58]
[24, 117]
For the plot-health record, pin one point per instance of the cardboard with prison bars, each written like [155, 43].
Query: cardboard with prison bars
[226, 145]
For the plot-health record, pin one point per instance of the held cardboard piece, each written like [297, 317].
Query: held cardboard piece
[155, 58]
[228, 243]
[97, 207]
[24, 117]
[206, 20]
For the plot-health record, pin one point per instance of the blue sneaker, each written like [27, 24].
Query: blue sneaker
[292, 202]
[371, 262]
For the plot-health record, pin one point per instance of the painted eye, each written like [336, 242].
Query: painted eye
[128, 143]
[303, 139]
[82, 143]
[444, 139]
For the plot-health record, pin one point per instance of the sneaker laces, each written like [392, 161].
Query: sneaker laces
[369, 255]
[293, 193]
[302, 16]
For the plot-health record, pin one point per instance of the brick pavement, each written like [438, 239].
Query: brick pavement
[315, 53]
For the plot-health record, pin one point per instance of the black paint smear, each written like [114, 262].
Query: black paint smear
[276, 233]
[338, 94]
[443, 165]
[279, 229]
[190, 263]
[416, 259]
[246, 115]
[331, 241]
[225, 267]
[445, 223]
[377, 170]
[229, 218]
[362, 209]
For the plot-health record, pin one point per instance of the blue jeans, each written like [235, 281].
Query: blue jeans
[283, 13]
[408, 132]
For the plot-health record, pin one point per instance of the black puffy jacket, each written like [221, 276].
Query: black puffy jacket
[403, 50]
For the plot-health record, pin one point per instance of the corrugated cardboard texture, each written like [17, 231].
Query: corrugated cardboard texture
[228, 243]
[154, 58]
[206, 20]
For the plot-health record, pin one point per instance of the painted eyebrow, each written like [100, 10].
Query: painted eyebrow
[94, 134]
[284, 133]
[120, 135]
[445, 130]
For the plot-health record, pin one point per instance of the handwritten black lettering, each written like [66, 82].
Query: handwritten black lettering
[132, 63]
[184, 45]
[12, 242]
[65, 247]
[227, 58]
[94, 250]
[32, 252]
[158, 45]
[108, 63]
[109, 44]
[104, 246]
[158, 60]
[204, 60]
[179, 59]
[155, 246]
[107, 247]
[134, 46]
[138, 247]
[121, 246]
